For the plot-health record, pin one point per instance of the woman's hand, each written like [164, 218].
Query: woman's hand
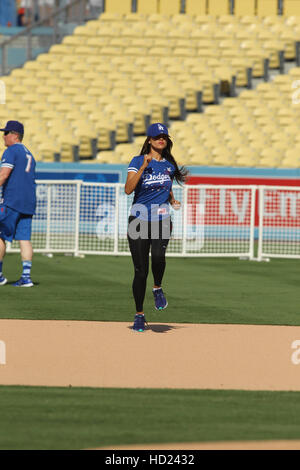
[175, 204]
[133, 178]
[147, 160]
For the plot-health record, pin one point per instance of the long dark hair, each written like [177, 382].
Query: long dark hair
[180, 173]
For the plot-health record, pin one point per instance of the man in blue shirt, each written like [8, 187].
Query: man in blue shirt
[17, 206]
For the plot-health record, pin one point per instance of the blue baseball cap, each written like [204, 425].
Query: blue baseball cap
[15, 126]
[156, 129]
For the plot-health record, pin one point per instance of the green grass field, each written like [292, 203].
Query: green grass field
[199, 290]
[78, 418]
[98, 288]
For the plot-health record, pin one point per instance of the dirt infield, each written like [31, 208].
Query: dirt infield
[102, 354]
[250, 445]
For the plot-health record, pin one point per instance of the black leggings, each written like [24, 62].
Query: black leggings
[140, 248]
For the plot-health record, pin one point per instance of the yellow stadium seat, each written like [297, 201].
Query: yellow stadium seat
[110, 17]
[289, 39]
[84, 31]
[32, 65]
[30, 98]
[56, 66]
[65, 48]
[29, 83]
[258, 58]
[106, 156]
[19, 73]
[147, 6]
[223, 156]
[244, 7]
[110, 51]
[267, 7]
[275, 22]
[195, 7]
[291, 158]
[134, 17]
[291, 8]
[227, 20]
[295, 72]
[246, 156]
[140, 140]
[218, 7]
[199, 155]
[117, 6]
[182, 19]
[64, 76]
[269, 157]
[193, 95]
[169, 7]
[273, 48]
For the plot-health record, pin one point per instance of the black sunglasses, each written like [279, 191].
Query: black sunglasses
[160, 136]
[7, 132]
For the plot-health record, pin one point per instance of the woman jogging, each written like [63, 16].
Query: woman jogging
[150, 176]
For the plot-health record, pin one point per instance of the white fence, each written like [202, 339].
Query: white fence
[279, 222]
[215, 220]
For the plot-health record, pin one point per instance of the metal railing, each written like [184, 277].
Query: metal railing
[75, 11]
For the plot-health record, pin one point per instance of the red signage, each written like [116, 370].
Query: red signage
[281, 208]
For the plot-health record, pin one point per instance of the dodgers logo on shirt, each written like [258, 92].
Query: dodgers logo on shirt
[153, 179]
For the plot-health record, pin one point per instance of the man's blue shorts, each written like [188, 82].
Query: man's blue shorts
[14, 225]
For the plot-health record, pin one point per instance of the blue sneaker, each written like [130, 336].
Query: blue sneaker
[159, 299]
[3, 280]
[139, 323]
[23, 282]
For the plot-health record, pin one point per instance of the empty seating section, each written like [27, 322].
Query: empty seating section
[92, 96]
[259, 128]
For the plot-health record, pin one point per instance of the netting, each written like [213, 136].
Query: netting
[279, 229]
[54, 224]
[79, 217]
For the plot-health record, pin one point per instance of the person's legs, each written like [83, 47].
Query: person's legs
[139, 245]
[23, 235]
[26, 250]
[2, 249]
[26, 256]
[158, 261]
[140, 256]
[8, 221]
[3, 280]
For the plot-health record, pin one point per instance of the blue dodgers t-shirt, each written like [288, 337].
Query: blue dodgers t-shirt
[151, 195]
[19, 188]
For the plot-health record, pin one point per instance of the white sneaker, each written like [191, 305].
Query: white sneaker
[3, 280]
